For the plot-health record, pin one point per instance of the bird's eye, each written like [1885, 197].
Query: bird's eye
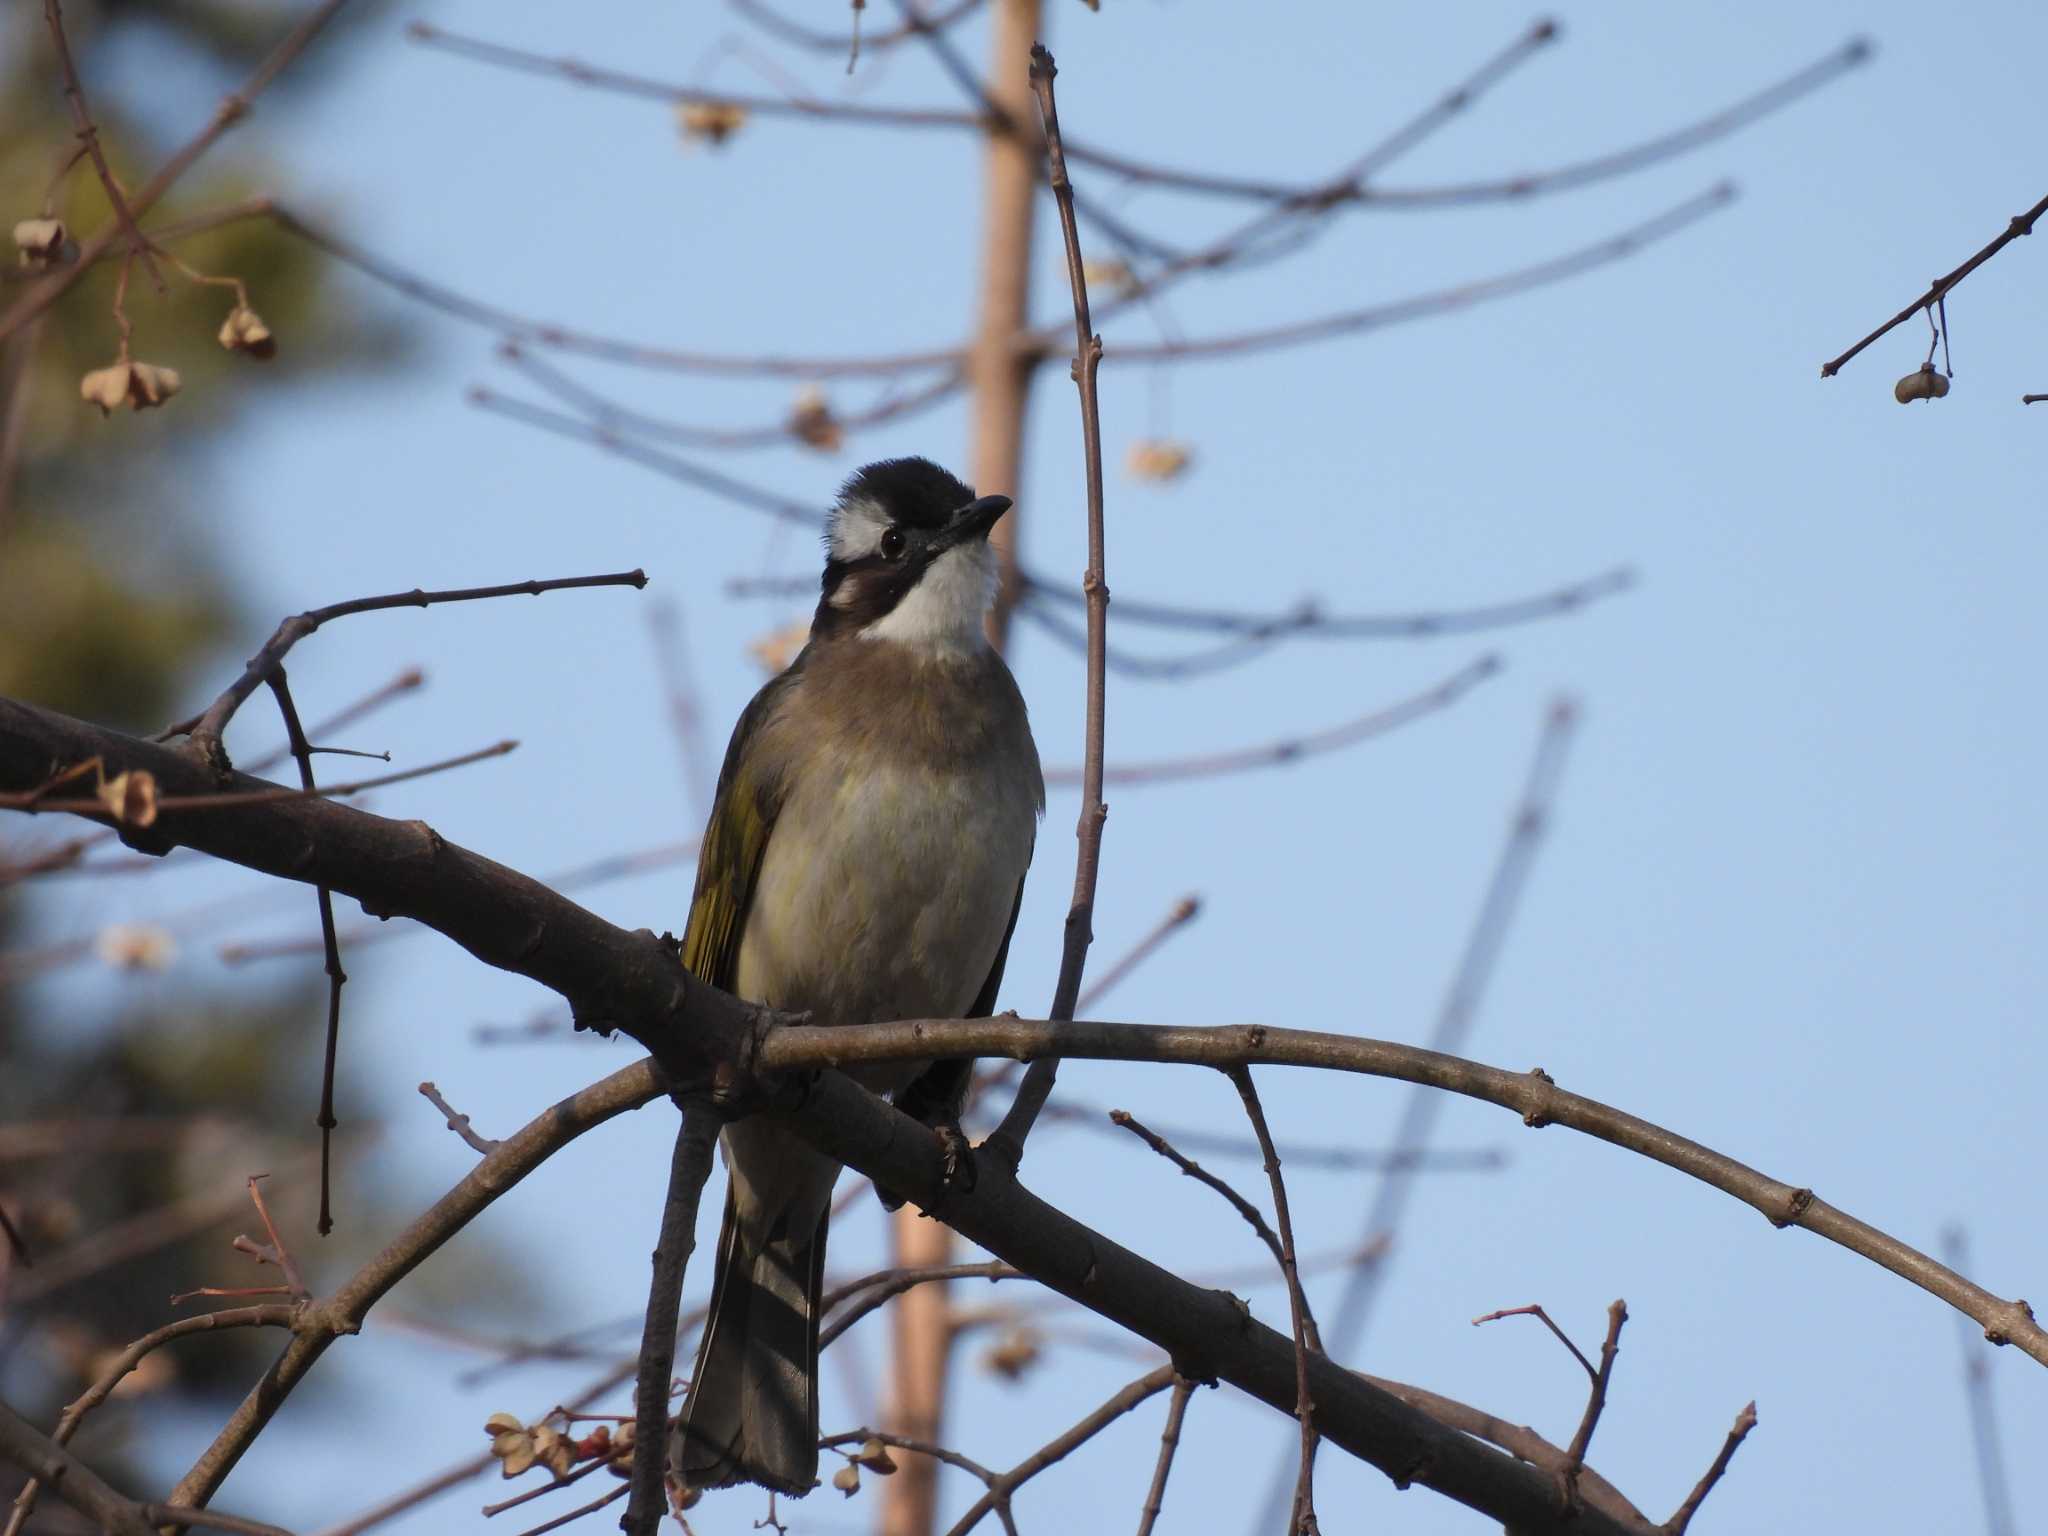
[892, 544]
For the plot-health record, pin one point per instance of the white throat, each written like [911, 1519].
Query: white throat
[943, 613]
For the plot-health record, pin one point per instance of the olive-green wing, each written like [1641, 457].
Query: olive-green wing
[743, 815]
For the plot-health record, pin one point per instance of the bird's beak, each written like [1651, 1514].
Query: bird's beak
[972, 521]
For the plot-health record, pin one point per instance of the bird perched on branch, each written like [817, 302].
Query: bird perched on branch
[864, 862]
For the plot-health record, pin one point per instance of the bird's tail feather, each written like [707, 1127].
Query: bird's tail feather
[752, 1411]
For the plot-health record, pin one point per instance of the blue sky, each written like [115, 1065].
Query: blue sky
[1790, 903]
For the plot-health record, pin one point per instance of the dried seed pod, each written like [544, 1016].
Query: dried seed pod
[140, 385]
[1014, 1354]
[876, 1458]
[44, 243]
[847, 1479]
[1923, 383]
[811, 421]
[244, 331]
[1157, 458]
[711, 122]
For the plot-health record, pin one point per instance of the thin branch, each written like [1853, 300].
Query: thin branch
[791, 31]
[1169, 1441]
[1745, 1421]
[1490, 926]
[1308, 1154]
[1939, 289]
[1178, 916]
[321, 1322]
[231, 109]
[85, 1491]
[270, 1315]
[1005, 1484]
[459, 1124]
[1301, 1520]
[205, 731]
[689, 1167]
[1008, 1140]
[337, 978]
[722, 485]
[1291, 749]
[1635, 157]
[608, 412]
[1309, 621]
[871, 1292]
[1194, 1170]
[578, 1513]
[578, 877]
[1596, 1400]
[1536, 1311]
[89, 137]
[34, 801]
[1440, 301]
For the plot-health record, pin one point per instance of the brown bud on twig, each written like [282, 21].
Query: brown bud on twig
[140, 385]
[1923, 383]
[876, 1458]
[847, 1479]
[1014, 1354]
[1157, 458]
[44, 243]
[811, 421]
[244, 331]
[711, 122]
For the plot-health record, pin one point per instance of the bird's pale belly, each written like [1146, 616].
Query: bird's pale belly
[884, 895]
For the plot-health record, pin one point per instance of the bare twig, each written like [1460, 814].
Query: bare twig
[611, 1497]
[689, 1167]
[1194, 1170]
[1308, 1154]
[1169, 1441]
[1009, 1137]
[1309, 621]
[85, 1491]
[89, 137]
[231, 109]
[205, 730]
[459, 1124]
[679, 469]
[272, 1315]
[2021, 224]
[34, 802]
[1291, 749]
[1003, 1485]
[792, 31]
[1745, 1421]
[1461, 1000]
[1536, 1311]
[1596, 1400]
[337, 978]
[1301, 1521]
[1178, 916]
[871, 1292]
[1441, 301]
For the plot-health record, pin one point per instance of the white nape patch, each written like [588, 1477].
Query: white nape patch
[944, 611]
[857, 529]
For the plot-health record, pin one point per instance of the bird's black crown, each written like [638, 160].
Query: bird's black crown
[913, 491]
